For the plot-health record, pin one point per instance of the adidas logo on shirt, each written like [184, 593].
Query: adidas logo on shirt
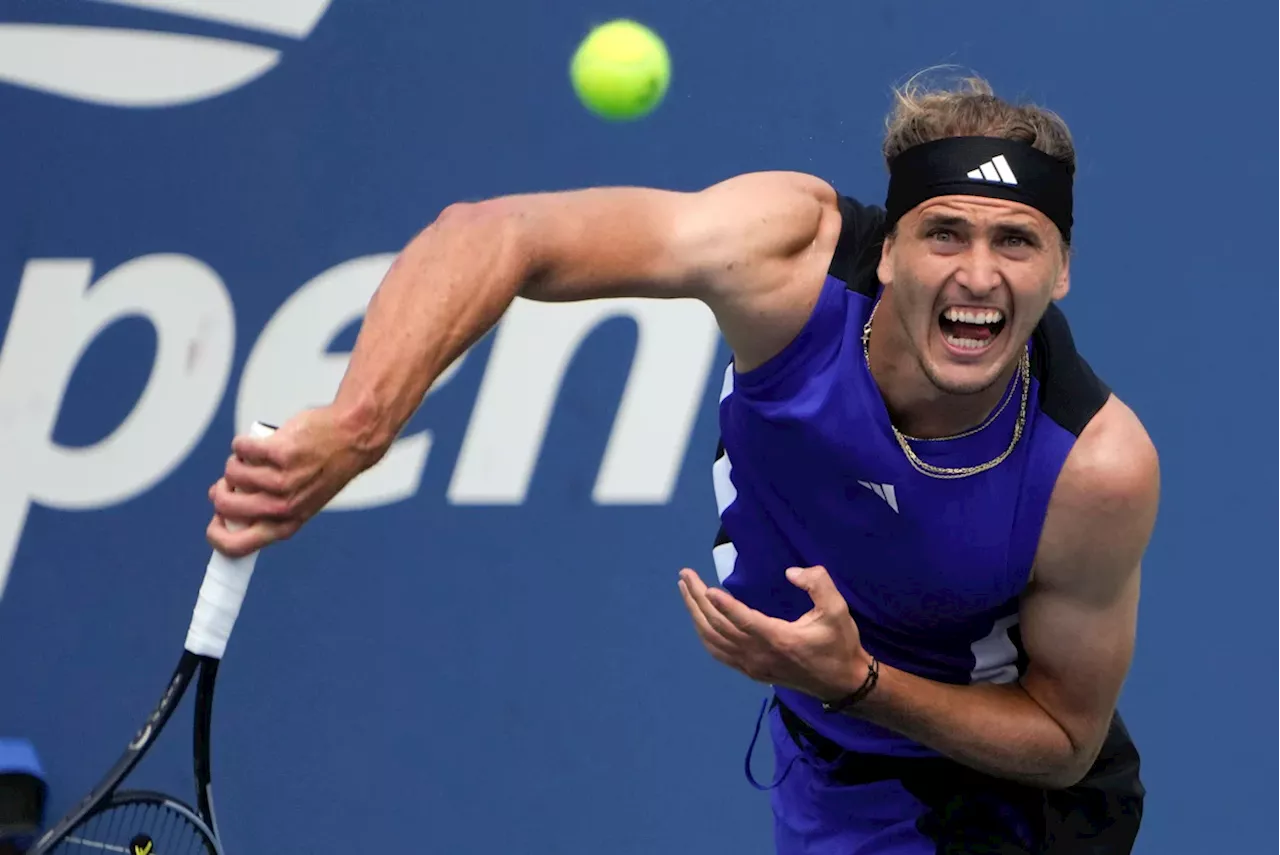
[884, 491]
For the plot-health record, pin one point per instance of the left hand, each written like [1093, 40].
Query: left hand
[820, 653]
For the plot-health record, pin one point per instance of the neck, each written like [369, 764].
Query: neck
[916, 406]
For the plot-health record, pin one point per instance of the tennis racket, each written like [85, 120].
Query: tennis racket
[140, 822]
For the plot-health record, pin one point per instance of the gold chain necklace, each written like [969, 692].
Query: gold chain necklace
[1024, 373]
[1004, 402]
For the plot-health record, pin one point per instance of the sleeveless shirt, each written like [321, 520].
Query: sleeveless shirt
[808, 472]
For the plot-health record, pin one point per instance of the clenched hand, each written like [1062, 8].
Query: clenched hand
[273, 485]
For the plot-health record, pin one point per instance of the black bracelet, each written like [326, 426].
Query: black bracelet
[842, 704]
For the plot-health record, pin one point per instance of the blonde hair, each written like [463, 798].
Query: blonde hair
[969, 107]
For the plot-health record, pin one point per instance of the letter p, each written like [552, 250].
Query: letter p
[58, 312]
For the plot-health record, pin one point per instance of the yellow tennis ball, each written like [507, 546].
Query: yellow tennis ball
[621, 70]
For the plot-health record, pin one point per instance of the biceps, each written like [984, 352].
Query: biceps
[1079, 653]
[754, 248]
[735, 237]
[775, 236]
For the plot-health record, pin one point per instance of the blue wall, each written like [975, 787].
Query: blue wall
[481, 666]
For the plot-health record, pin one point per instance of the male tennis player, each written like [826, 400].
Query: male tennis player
[933, 512]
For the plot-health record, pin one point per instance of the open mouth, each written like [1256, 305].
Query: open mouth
[971, 329]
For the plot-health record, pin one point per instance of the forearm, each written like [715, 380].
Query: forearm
[995, 728]
[444, 291]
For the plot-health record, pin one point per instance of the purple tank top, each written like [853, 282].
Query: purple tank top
[809, 472]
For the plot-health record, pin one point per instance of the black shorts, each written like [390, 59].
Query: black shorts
[935, 805]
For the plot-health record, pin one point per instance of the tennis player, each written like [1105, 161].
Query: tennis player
[933, 511]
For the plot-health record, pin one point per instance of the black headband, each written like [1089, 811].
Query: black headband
[981, 166]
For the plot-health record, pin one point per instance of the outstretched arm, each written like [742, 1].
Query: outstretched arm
[754, 248]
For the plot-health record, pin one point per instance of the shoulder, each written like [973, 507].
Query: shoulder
[845, 225]
[1103, 507]
[1112, 457]
[764, 193]
[1114, 462]
[758, 215]
[765, 244]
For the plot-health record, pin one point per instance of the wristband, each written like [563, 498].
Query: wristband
[842, 704]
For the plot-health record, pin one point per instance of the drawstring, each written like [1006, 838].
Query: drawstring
[764, 705]
[820, 766]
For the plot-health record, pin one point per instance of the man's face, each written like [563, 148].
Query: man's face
[971, 277]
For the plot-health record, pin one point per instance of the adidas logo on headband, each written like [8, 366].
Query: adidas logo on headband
[995, 169]
[981, 166]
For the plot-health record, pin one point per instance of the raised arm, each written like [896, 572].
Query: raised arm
[754, 248]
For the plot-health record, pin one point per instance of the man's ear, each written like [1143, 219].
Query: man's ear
[885, 269]
[1063, 283]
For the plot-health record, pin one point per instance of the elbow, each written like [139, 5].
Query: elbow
[470, 214]
[489, 220]
[498, 230]
[1065, 777]
[1071, 770]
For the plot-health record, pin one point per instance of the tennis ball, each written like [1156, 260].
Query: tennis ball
[621, 70]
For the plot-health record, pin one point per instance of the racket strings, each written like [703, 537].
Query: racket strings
[136, 828]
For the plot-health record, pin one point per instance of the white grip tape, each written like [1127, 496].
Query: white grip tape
[226, 580]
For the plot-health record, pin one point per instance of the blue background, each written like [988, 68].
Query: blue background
[524, 679]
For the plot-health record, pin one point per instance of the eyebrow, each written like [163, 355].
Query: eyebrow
[1021, 229]
[944, 220]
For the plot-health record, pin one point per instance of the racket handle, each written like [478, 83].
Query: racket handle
[226, 580]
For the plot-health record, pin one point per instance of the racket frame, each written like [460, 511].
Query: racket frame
[119, 798]
[103, 796]
[217, 607]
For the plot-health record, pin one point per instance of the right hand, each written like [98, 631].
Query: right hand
[272, 485]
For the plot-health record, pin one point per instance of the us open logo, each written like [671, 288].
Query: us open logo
[141, 68]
